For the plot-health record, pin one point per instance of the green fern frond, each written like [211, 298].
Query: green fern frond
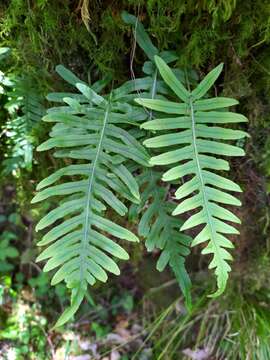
[156, 224]
[25, 108]
[80, 247]
[196, 148]
[161, 230]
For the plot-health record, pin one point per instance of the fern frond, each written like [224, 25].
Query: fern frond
[80, 245]
[156, 224]
[196, 148]
[25, 109]
[160, 229]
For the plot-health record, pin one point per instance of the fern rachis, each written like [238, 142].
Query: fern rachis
[156, 224]
[205, 189]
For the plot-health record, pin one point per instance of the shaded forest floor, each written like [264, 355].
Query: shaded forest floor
[128, 322]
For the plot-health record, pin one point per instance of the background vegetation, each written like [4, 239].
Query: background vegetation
[140, 315]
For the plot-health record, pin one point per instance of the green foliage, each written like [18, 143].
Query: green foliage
[161, 230]
[8, 237]
[89, 128]
[234, 327]
[197, 119]
[4, 51]
[7, 251]
[201, 34]
[23, 331]
[101, 133]
[45, 33]
[24, 110]
[156, 224]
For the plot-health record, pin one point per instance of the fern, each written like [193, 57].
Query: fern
[25, 109]
[160, 228]
[90, 129]
[99, 139]
[205, 188]
[156, 224]
[7, 251]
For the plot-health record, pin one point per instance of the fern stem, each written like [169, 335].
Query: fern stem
[87, 224]
[204, 198]
[153, 91]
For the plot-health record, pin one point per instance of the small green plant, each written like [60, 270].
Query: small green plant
[8, 237]
[235, 327]
[7, 251]
[24, 108]
[23, 332]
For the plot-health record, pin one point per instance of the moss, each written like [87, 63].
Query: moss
[44, 33]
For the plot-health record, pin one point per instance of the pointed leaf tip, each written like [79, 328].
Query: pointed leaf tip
[72, 309]
[207, 82]
[171, 80]
[217, 293]
[35, 199]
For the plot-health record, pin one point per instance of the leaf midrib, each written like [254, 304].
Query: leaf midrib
[153, 91]
[87, 225]
[204, 197]
[153, 94]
